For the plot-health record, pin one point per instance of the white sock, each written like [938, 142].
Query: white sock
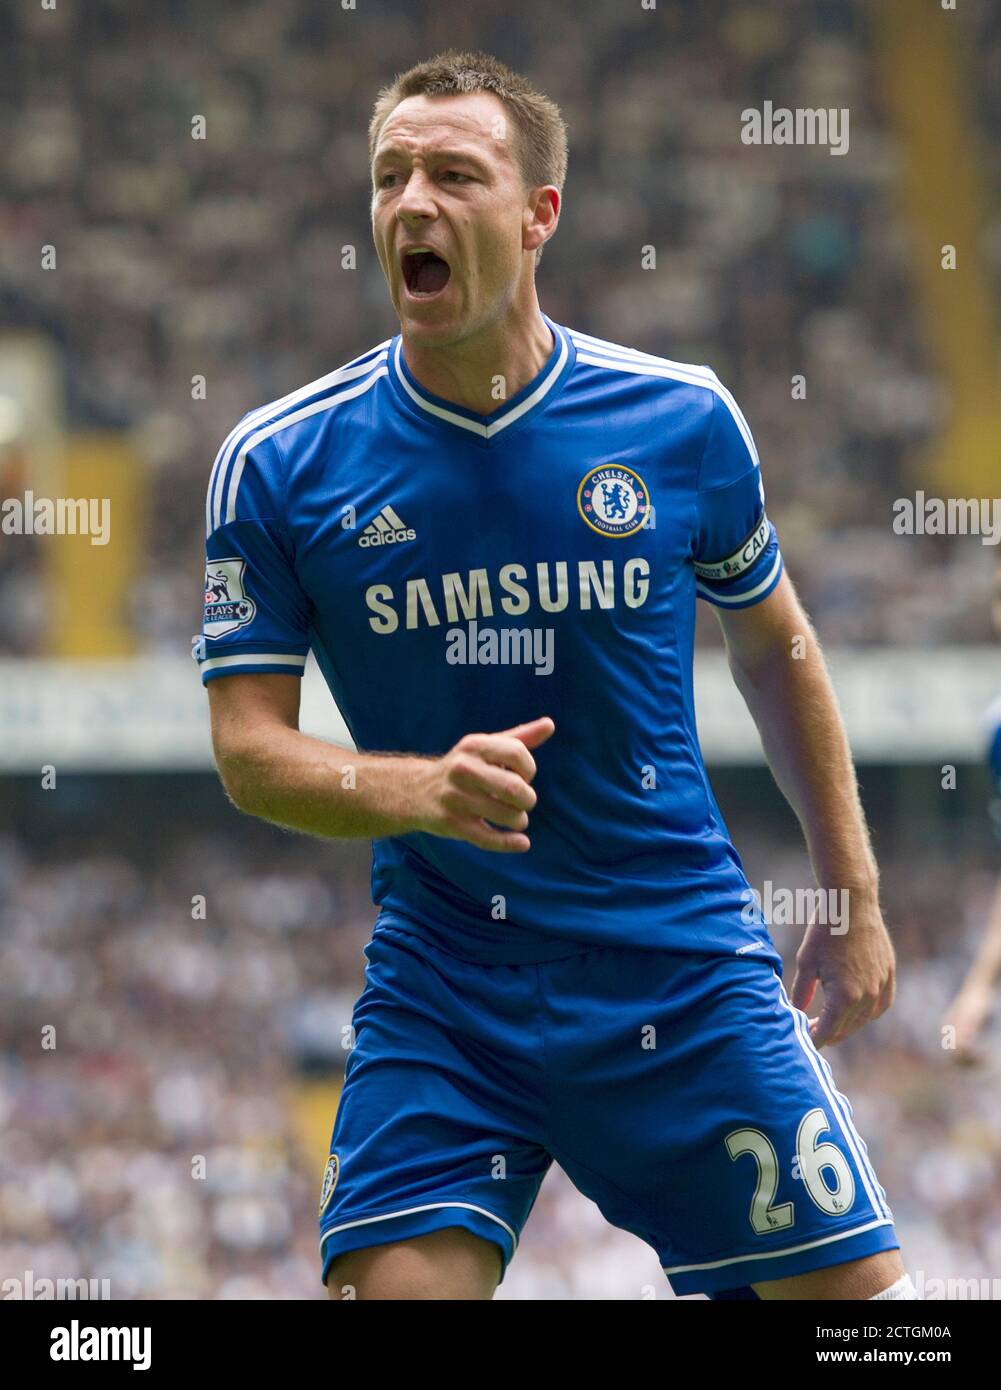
[903, 1288]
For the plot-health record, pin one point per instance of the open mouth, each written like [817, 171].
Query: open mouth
[425, 274]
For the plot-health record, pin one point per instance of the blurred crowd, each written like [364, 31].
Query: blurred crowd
[221, 258]
[156, 1137]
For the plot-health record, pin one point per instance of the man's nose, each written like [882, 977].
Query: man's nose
[417, 201]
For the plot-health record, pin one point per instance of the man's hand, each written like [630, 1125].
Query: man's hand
[484, 781]
[857, 971]
[968, 1013]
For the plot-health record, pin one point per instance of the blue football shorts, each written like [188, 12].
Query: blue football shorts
[681, 1092]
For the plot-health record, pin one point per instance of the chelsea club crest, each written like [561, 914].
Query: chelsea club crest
[330, 1175]
[613, 500]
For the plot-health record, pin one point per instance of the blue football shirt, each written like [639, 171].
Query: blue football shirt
[992, 723]
[457, 573]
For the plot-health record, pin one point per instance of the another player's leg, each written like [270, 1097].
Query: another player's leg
[857, 1279]
[449, 1264]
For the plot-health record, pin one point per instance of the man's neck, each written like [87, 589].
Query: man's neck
[484, 372]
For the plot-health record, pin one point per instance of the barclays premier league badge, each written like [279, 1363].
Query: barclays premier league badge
[613, 500]
[227, 606]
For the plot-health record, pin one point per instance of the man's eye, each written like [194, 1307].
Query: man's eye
[385, 178]
[454, 174]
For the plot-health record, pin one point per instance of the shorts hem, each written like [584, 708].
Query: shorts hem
[381, 1228]
[746, 1269]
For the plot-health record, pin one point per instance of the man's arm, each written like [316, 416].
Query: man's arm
[779, 669]
[271, 770]
[970, 1009]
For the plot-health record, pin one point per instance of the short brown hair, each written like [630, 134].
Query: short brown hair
[541, 143]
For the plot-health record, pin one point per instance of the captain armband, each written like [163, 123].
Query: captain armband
[733, 566]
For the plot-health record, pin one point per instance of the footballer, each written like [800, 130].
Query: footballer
[562, 966]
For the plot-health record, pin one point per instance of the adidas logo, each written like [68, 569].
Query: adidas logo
[386, 529]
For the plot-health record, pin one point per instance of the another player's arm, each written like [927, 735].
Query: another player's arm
[969, 1011]
[272, 770]
[971, 1007]
[779, 668]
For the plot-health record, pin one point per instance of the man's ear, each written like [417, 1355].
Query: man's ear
[542, 216]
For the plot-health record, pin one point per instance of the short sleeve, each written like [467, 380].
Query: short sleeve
[735, 550]
[256, 616]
